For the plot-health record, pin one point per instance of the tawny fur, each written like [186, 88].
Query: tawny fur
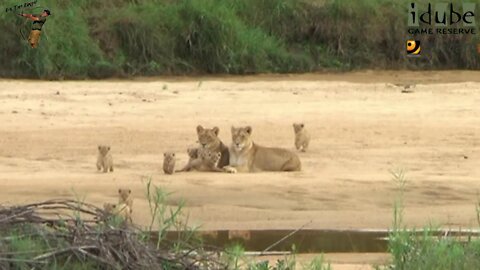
[246, 156]
[202, 159]
[302, 138]
[104, 159]
[124, 197]
[169, 162]
[208, 139]
[121, 210]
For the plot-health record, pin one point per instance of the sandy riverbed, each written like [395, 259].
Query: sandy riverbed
[362, 127]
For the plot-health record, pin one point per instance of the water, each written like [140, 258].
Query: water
[309, 241]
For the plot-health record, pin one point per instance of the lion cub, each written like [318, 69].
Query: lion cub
[104, 159]
[169, 162]
[121, 210]
[302, 138]
[210, 159]
[125, 198]
[192, 156]
[202, 158]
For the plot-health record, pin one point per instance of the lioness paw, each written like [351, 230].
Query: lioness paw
[229, 169]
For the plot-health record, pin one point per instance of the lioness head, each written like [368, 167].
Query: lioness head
[241, 137]
[297, 127]
[208, 138]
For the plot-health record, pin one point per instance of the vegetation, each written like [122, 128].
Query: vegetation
[425, 249]
[98, 39]
[72, 234]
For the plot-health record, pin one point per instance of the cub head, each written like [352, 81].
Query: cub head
[216, 157]
[124, 193]
[192, 152]
[109, 207]
[103, 149]
[208, 138]
[211, 157]
[168, 156]
[297, 127]
[241, 137]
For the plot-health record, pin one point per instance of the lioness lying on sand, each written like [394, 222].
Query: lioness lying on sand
[208, 139]
[246, 156]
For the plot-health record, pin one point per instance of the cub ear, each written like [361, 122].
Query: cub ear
[173, 154]
[129, 191]
[99, 147]
[248, 129]
[234, 129]
[302, 125]
[119, 191]
[108, 148]
[200, 129]
[216, 130]
[164, 154]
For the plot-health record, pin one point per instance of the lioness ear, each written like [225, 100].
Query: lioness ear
[248, 129]
[119, 191]
[302, 125]
[108, 148]
[233, 129]
[164, 154]
[99, 147]
[216, 130]
[129, 191]
[200, 129]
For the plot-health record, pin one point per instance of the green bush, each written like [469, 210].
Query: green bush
[99, 39]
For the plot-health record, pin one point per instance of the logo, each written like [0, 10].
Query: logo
[21, 6]
[442, 18]
[413, 47]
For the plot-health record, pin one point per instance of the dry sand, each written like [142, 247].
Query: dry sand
[362, 127]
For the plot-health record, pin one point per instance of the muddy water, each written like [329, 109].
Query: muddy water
[311, 241]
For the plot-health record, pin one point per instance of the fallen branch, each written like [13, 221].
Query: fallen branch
[283, 239]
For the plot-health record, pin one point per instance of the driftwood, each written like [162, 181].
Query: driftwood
[83, 232]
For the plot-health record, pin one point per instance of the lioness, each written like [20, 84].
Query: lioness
[208, 139]
[246, 156]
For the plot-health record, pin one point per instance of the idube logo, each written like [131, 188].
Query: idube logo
[442, 18]
[413, 48]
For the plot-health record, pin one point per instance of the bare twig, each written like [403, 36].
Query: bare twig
[77, 231]
[284, 238]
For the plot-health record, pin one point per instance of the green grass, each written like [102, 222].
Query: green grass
[423, 249]
[98, 39]
[235, 259]
[54, 247]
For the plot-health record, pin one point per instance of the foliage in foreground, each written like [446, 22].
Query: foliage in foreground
[426, 249]
[69, 234]
[98, 39]
[74, 235]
